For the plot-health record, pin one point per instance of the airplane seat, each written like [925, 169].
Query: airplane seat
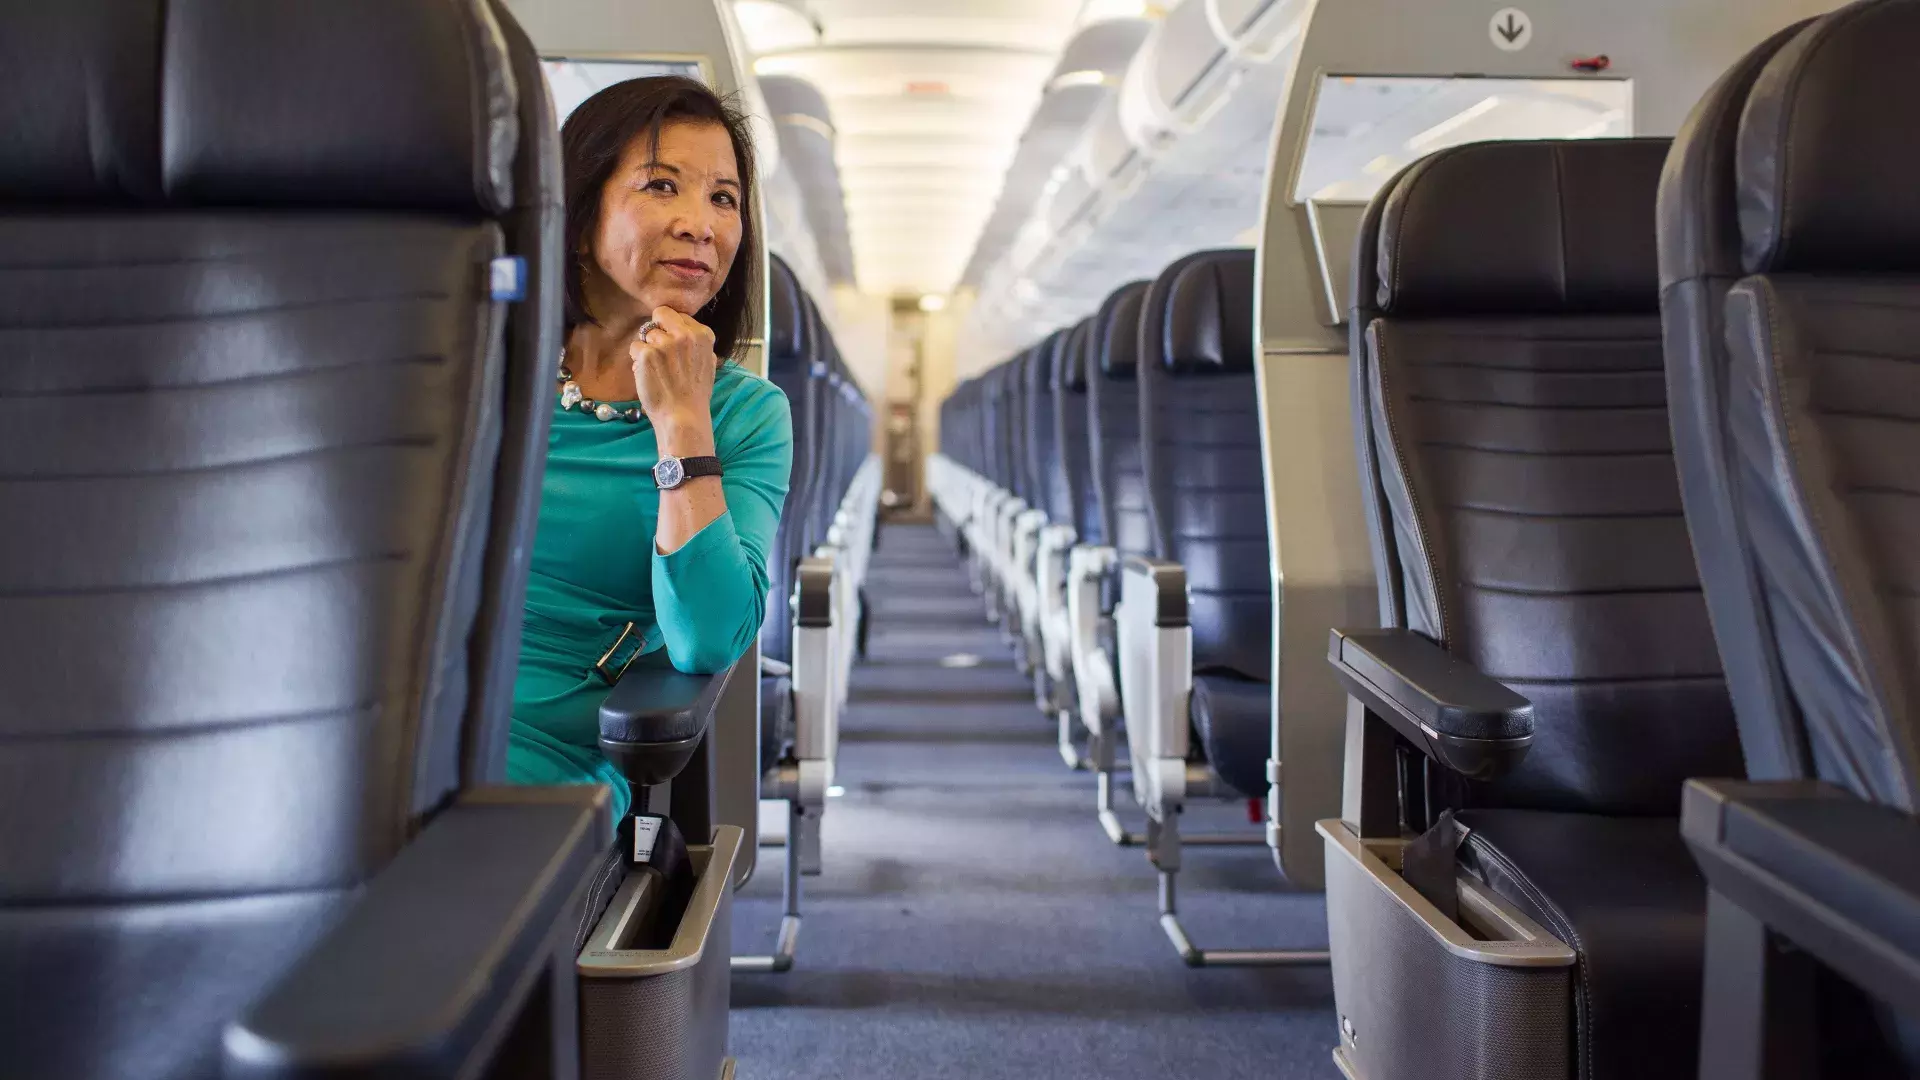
[1063, 468]
[1206, 498]
[1119, 504]
[1075, 460]
[990, 491]
[1193, 625]
[1113, 417]
[971, 490]
[827, 425]
[1699, 255]
[273, 439]
[1044, 507]
[789, 363]
[1045, 444]
[1545, 678]
[1019, 485]
[1019, 478]
[1002, 428]
[1788, 193]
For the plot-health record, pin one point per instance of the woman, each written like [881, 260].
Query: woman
[668, 463]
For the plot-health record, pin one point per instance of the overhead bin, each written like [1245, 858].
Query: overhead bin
[1187, 66]
[1169, 162]
[805, 124]
[1105, 148]
[1363, 129]
[1082, 85]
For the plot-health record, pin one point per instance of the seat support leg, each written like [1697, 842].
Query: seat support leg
[1069, 753]
[807, 830]
[1166, 844]
[1759, 1007]
[1101, 752]
[782, 959]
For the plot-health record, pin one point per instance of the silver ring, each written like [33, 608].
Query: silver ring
[646, 328]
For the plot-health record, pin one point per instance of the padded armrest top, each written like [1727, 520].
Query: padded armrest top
[1442, 692]
[1850, 856]
[658, 705]
[1169, 580]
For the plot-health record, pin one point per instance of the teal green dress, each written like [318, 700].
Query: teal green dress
[595, 571]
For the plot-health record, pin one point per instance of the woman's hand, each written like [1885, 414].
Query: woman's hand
[673, 370]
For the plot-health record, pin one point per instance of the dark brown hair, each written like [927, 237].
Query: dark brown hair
[591, 144]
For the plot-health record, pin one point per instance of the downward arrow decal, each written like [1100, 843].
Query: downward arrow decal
[1511, 31]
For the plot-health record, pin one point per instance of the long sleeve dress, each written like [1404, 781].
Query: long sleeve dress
[595, 570]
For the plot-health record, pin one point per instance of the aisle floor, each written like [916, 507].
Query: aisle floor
[973, 921]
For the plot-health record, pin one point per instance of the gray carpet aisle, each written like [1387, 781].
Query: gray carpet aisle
[973, 921]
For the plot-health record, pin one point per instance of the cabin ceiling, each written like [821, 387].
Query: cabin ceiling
[929, 102]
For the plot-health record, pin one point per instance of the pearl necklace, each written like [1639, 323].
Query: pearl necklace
[571, 397]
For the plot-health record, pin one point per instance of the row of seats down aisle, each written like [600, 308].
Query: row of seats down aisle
[1630, 757]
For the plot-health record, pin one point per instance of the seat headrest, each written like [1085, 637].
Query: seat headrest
[1116, 337]
[1698, 230]
[786, 315]
[377, 104]
[1070, 359]
[1535, 227]
[1037, 362]
[1827, 155]
[1205, 320]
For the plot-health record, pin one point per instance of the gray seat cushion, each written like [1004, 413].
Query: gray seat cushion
[1626, 895]
[1233, 718]
[776, 719]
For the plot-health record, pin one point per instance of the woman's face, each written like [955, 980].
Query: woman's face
[670, 223]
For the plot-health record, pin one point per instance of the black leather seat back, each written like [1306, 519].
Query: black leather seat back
[857, 433]
[1201, 456]
[957, 424]
[1824, 344]
[833, 395]
[1043, 442]
[1113, 419]
[1074, 465]
[1019, 473]
[1512, 394]
[994, 424]
[823, 391]
[268, 453]
[1007, 416]
[1699, 249]
[534, 225]
[789, 367]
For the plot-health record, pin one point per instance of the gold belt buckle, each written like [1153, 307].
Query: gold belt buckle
[600, 668]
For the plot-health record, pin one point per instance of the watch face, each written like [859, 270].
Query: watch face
[668, 473]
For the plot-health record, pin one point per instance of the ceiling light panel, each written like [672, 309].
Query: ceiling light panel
[928, 104]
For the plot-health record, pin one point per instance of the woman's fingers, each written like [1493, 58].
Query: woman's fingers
[673, 363]
[683, 327]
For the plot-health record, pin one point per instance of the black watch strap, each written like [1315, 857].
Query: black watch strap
[701, 466]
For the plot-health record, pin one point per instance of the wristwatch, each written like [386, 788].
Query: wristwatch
[671, 472]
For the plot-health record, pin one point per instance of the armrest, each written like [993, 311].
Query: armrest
[654, 719]
[430, 967]
[813, 592]
[1169, 586]
[1832, 873]
[1461, 717]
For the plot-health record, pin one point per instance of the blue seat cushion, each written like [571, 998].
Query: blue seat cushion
[1233, 718]
[776, 719]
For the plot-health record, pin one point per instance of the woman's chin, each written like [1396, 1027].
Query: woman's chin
[685, 300]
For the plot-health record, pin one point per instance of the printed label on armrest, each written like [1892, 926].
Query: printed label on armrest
[646, 830]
